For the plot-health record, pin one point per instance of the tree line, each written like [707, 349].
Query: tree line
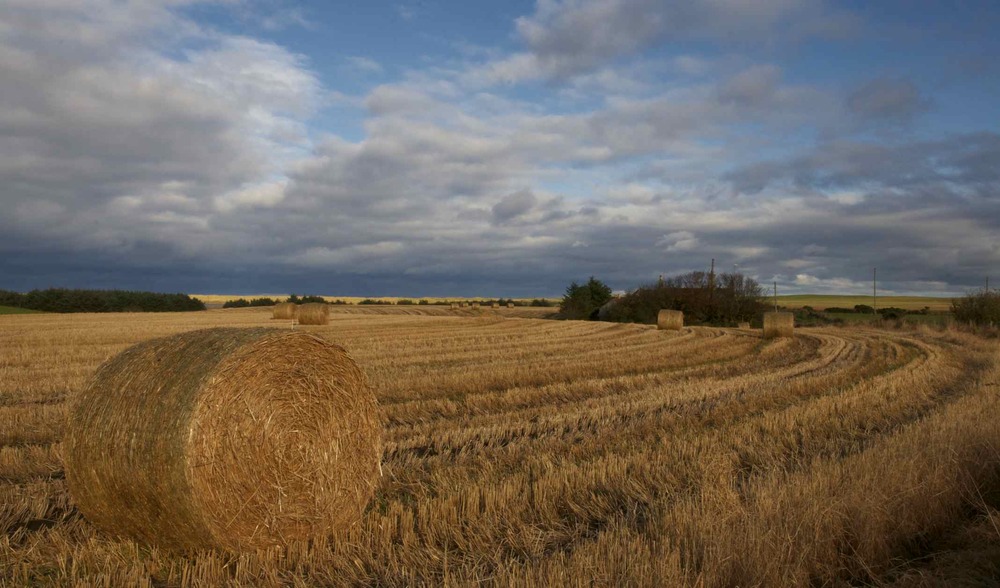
[72, 300]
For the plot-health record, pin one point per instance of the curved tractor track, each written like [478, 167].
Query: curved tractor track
[521, 451]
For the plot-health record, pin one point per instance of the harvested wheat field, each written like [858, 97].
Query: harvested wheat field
[520, 451]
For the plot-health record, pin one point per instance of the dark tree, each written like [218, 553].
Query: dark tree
[583, 301]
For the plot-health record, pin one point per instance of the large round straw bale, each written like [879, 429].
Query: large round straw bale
[744, 326]
[495, 305]
[314, 313]
[779, 324]
[454, 306]
[224, 438]
[284, 310]
[670, 320]
[510, 305]
[475, 306]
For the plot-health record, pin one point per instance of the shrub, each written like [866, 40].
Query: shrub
[980, 307]
[863, 309]
[892, 313]
[244, 303]
[304, 299]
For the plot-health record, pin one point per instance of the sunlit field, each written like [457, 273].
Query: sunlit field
[521, 451]
[824, 301]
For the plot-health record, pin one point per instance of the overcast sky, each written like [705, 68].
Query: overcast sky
[497, 148]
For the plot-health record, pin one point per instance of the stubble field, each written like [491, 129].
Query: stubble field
[521, 451]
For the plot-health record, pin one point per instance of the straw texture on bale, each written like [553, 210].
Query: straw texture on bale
[779, 324]
[510, 305]
[496, 305]
[224, 438]
[314, 313]
[670, 320]
[454, 306]
[744, 326]
[284, 310]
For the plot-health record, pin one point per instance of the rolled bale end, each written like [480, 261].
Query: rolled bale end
[510, 305]
[744, 326]
[779, 324]
[475, 306]
[463, 305]
[314, 313]
[454, 306]
[670, 320]
[232, 439]
[496, 305]
[284, 310]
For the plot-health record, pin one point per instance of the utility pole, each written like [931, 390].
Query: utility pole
[875, 290]
[711, 283]
[775, 296]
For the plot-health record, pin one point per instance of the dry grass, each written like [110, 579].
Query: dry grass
[529, 452]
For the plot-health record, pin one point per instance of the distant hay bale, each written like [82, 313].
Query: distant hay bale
[463, 305]
[224, 438]
[475, 306]
[779, 324]
[496, 305]
[744, 326]
[314, 313]
[670, 320]
[454, 306]
[284, 310]
[510, 305]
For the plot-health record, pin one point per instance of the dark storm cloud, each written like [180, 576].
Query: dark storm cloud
[966, 165]
[897, 100]
[513, 206]
[567, 38]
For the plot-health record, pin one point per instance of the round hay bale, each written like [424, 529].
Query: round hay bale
[463, 305]
[314, 313]
[745, 326]
[670, 320]
[496, 305]
[779, 324]
[454, 306]
[284, 310]
[225, 438]
[510, 305]
[475, 306]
